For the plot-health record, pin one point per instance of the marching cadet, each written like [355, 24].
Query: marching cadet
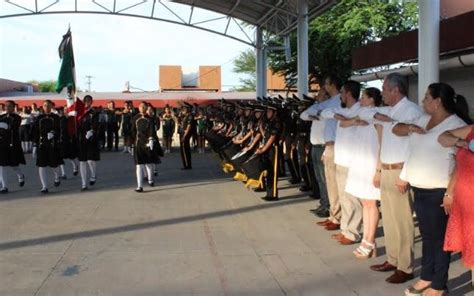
[157, 150]
[186, 129]
[46, 146]
[169, 126]
[143, 134]
[126, 126]
[269, 150]
[89, 150]
[68, 143]
[112, 128]
[11, 153]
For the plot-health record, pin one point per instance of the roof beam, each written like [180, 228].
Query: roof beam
[234, 7]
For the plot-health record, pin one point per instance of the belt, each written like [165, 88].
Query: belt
[392, 166]
[329, 143]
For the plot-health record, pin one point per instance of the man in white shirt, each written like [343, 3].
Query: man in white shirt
[396, 202]
[317, 142]
[351, 208]
[329, 201]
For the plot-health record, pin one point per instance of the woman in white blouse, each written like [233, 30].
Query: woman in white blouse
[427, 170]
[363, 168]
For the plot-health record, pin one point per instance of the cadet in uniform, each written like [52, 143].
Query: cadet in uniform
[269, 150]
[46, 146]
[157, 150]
[126, 122]
[202, 124]
[304, 151]
[11, 153]
[89, 151]
[186, 129]
[291, 152]
[113, 125]
[169, 126]
[143, 135]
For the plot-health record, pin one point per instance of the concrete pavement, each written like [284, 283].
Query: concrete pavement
[195, 233]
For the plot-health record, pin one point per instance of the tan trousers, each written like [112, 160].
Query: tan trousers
[397, 218]
[351, 208]
[330, 173]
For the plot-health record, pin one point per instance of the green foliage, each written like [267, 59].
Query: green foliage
[334, 35]
[45, 86]
[245, 64]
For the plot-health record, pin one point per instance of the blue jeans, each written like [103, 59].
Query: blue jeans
[317, 153]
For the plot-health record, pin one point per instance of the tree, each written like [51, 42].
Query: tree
[348, 25]
[245, 64]
[45, 86]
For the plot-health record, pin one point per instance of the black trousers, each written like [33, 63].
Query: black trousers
[315, 191]
[306, 166]
[271, 159]
[432, 223]
[291, 159]
[185, 149]
[281, 161]
[112, 136]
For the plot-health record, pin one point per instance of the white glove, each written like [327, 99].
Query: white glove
[34, 152]
[89, 134]
[150, 144]
[50, 135]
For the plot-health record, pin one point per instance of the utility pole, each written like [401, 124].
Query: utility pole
[89, 77]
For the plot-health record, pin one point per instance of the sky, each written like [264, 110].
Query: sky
[112, 49]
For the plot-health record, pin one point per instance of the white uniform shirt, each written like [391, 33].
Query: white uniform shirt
[429, 165]
[394, 149]
[317, 126]
[344, 136]
[322, 131]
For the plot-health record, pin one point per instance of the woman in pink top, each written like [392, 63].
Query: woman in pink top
[459, 198]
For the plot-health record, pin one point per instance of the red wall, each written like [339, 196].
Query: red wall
[118, 102]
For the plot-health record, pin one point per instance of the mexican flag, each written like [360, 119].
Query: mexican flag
[67, 78]
[67, 73]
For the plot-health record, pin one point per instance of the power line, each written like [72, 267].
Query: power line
[89, 77]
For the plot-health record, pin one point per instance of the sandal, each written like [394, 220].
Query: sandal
[411, 291]
[365, 250]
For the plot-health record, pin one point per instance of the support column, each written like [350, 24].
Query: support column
[286, 39]
[302, 47]
[428, 45]
[260, 65]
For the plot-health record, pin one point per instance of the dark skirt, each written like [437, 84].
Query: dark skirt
[70, 148]
[168, 131]
[142, 153]
[11, 155]
[154, 154]
[89, 149]
[25, 132]
[48, 156]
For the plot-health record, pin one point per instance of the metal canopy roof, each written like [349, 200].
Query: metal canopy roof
[278, 17]
[236, 19]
